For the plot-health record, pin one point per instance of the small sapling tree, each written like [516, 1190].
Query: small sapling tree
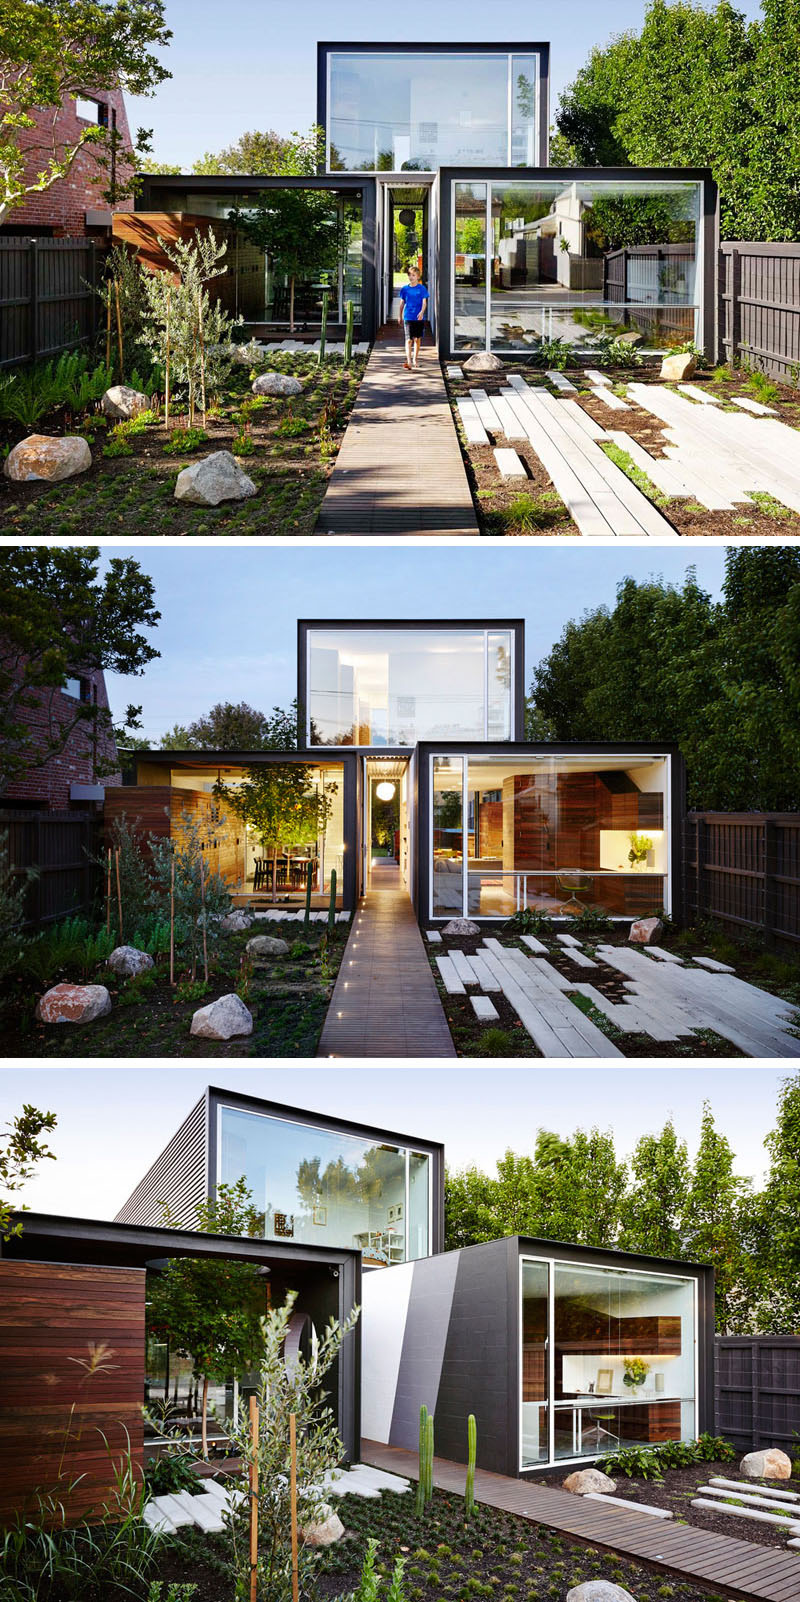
[283, 805]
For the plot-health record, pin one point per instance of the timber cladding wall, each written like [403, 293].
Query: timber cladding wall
[72, 1358]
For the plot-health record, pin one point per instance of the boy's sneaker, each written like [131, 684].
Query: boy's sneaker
[408, 367]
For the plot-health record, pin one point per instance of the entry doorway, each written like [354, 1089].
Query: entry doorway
[406, 229]
[385, 827]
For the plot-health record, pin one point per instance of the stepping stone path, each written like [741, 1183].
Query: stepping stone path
[363, 1480]
[509, 464]
[454, 372]
[596, 377]
[713, 965]
[484, 1009]
[560, 382]
[628, 1504]
[276, 916]
[723, 457]
[609, 399]
[754, 406]
[206, 1511]
[701, 395]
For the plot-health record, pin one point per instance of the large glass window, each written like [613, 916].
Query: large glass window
[397, 687]
[580, 260]
[535, 1306]
[448, 837]
[417, 111]
[469, 267]
[556, 834]
[328, 1188]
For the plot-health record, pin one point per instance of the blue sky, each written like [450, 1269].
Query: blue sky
[112, 1123]
[252, 63]
[229, 613]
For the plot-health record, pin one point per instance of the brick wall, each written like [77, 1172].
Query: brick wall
[63, 206]
[49, 782]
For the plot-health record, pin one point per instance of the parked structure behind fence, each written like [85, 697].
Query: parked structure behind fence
[47, 296]
[743, 868]
[757, 1391]
[60, 848]
[759, 307]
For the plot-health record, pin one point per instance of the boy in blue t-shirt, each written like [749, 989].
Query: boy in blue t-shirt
[414, 304]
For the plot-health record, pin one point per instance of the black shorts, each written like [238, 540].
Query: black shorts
[415, 330]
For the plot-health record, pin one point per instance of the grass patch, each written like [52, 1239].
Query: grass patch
[527, 513]
[770, 507]
[636, 474]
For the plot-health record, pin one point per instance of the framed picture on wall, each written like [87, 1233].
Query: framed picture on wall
[605, 1381]
[320, 1216]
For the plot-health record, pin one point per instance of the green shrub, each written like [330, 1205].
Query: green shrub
[714, 1449]
[636, 1462]
[183, 441]
[591, 920]
[677, 1454]
[530, 921]
[497, 1042]
[172, 1471]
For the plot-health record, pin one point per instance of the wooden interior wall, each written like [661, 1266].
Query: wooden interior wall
[246, 263]
[221, 833]
[69, 1334]
[147, 807]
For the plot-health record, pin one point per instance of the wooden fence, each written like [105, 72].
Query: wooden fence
[59, 847]
[757, 1391]
[743, 868]
[759, 307]
[47, 298]
[656, 285]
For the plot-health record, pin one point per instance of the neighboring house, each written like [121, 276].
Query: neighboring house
[537, 1338]
[433, 712]
[69, 776]
[438, 153]
[72, 206]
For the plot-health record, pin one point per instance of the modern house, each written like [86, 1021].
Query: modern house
[561, 1351]
[437, 154]
[430, 715]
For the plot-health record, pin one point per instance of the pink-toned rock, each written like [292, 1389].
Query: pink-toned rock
[590, 1479]
[773, 1464]
[73, 1004]
[678, 367]
[41, 457]
[646, 931]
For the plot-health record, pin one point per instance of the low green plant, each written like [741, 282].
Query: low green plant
[244, 444]
[191, 990]
[497, 1042]
[171, 1471]
[714, 1449]
[529, 920]
[152, 937]
[591, 920]
[174, 1591]
[767, 504]
[529, 512]
[291, 427]
[677, 1454]
[183, 441]
[300, 948]
[635, 1462]
[55, 951]
[118, 445]
[762, 387]
[637, 475]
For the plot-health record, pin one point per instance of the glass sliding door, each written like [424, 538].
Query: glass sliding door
[469, 267]
[447, 840]
[534, 1366]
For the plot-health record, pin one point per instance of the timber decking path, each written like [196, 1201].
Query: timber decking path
[723, 1563]
[399, 469]
[385, 1002]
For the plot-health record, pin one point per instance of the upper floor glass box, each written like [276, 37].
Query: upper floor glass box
[396, 686]
[386, 108]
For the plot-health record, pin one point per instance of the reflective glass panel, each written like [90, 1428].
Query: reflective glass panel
[469, 267]
[623, 1360]
[397, 687]
[448, 849]
[325, 1187]
[535, 1331]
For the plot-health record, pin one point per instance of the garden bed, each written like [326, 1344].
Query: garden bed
[288, 997]
[505, 507]
[291, 445]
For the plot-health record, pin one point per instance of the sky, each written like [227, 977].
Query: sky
[252, 63]
[229, 615]
[113, 1124]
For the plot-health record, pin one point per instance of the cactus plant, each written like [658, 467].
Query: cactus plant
[309, 881]
[429, 1458]
[472, 1447]
[348, 332]
[332, 906]
[323, 331]
[423, 1449]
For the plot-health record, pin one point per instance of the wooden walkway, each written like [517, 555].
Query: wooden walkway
[399, 468]
[719, 1562]
[385, 1002]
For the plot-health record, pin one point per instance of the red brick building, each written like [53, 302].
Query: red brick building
[68, 777]
[73, 206]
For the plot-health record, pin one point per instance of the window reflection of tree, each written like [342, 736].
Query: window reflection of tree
[339, 1183]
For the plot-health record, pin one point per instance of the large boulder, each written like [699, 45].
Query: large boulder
[222, 1019]
[325, 1530]
[646, 931]
[599, 1591]
[461, 926]
[250, 355]
[773, 1464]
[121, 402]
[676, 368]
[41, 457]
[214, 479]
[591, 1479]
[484, 361]
[277, 384]
[267, 946]
[73, 1004]
[127, 961]
[236, 922]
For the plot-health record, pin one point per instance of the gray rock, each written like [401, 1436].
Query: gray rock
[277, 384]
[772, 1464]
[214, 479]
[461, 926]
[599, 1591]
[236, 922]
[222, 1019]
[267, 946]
[75, 1004]
[120, 401]
[127, 961]
[250, 355]
[484, 361]
[646, 931]
[676, 368]
[41, 457]
[324, 1531]
[590, 1479]
[630, 337]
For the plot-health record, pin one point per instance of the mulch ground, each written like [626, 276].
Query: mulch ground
[536, 508]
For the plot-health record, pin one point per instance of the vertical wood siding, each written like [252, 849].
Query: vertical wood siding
[759, 307]
[743, 868]
[47, 299]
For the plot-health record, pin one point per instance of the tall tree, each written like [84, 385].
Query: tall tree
[269, 154]
[711, 1223]
[237, 727]
[298, 229]
[653, 1206]
[282, 804]
[58, 622]
[20, 1151]
[53, 49]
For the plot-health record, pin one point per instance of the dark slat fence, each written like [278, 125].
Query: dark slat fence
[743, 868]
[60, 846]
[759, 307]
[653, 283]
[47, 299]
[757, 1391]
